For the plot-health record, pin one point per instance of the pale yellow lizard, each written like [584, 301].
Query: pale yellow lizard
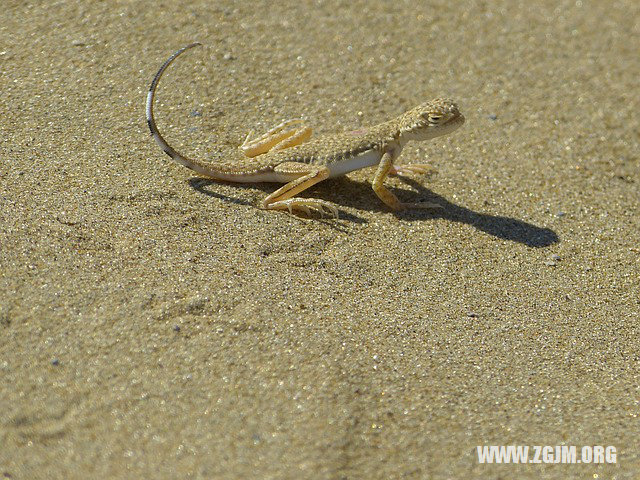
[283, 155]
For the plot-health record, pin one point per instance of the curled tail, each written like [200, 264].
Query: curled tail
[166, 148]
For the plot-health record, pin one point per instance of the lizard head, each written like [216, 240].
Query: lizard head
[431, 119]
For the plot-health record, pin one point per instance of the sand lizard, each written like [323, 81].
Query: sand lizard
[284, 155]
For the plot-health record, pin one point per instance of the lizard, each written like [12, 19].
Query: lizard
[286, 154]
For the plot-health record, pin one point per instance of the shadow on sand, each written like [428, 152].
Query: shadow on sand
[358, 195]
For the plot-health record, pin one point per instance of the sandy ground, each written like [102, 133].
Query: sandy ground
[157, 325]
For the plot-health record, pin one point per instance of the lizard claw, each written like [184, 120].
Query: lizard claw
[306, 205]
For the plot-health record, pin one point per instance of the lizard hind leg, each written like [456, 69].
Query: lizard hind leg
[302, 177]
[286, 135]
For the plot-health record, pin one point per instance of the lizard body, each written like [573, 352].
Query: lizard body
[285, 154]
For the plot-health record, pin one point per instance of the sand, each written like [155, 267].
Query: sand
[157, 325]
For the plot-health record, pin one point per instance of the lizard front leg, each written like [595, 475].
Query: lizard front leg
[385, 167]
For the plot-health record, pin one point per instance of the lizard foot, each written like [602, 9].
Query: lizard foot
[306, 205]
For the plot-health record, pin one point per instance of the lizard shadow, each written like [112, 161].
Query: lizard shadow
[506, 228]
[358, 195]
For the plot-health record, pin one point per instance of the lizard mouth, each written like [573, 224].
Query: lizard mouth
[460, 119]
[454, 122]
[450, 125]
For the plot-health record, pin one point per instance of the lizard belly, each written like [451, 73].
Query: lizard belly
[362, 160]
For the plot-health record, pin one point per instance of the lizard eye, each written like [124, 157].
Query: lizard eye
[434, 118]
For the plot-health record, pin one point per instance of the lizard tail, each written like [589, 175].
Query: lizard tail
[166, 148]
